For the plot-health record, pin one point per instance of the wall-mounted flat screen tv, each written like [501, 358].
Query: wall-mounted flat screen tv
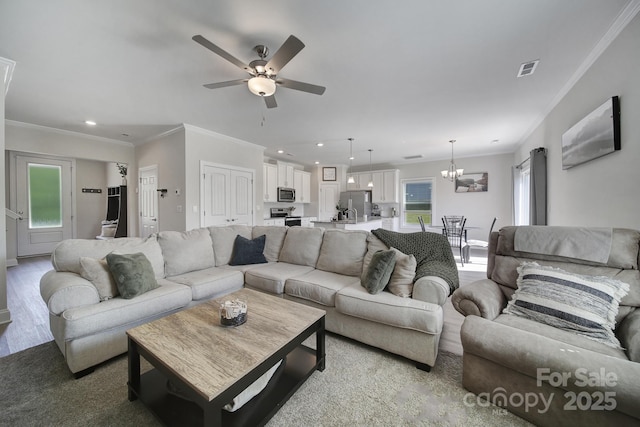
[594, 136]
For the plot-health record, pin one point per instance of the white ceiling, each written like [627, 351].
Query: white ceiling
[402, 77]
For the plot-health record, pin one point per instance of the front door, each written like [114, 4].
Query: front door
[148, 200]
[44, 199]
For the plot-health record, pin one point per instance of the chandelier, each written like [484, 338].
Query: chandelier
[453, 172]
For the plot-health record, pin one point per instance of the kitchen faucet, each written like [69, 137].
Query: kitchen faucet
[355, 214]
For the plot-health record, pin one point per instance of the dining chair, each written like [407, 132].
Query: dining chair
[481, 244]
[421, 221]
[454, 231]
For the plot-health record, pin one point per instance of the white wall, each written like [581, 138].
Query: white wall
[167, 152]
[212, 147]
[478, 208]
[91, 208]
[604, 191]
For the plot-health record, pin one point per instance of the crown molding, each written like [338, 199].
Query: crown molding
[66, 132]
[213, 134]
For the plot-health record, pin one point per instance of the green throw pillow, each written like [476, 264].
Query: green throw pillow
[133, 274]
[379, 272]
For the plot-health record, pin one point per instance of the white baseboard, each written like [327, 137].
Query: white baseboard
[5, 316]
[12, 262]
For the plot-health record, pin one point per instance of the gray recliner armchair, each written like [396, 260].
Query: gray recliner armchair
[547, 375]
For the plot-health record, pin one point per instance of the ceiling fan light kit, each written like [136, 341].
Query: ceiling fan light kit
[263, 81]
[262, 86]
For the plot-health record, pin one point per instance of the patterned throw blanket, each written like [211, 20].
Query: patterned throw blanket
[432, 251]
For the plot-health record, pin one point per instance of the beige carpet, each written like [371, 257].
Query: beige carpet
[361, 386]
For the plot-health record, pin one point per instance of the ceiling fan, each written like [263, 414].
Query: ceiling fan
[264, 73]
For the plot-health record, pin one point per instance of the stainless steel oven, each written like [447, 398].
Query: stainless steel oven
[290, 220]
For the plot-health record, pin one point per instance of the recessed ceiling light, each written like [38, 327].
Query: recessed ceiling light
[90, 122]
[280, 151]
[351, 158]
[320, 144]
[317, 162]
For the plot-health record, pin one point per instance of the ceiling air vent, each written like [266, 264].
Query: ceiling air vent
[417, 156]
[528, 68]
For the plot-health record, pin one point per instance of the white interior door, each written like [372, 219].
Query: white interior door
[148, 200]
[241, 197]
[44, 199]
[329, 197]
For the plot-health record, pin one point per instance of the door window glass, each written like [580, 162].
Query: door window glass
[45, 196]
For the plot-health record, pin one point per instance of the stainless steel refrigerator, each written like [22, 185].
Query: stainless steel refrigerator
[360, 201]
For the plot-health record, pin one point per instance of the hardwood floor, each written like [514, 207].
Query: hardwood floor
[30, 316]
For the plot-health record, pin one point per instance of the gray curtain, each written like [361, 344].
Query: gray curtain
[538, 189]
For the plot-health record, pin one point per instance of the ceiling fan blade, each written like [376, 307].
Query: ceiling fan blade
[270, 101]
[304, 87]
[225, 84]
[288, 50]
[223, 53]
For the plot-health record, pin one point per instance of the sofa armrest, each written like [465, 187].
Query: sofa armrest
[482, 298]
[64, 290]
[431, 289]
[538, 357]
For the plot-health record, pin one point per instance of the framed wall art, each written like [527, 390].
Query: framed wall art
[329, 174]
[596, 135]
[472, 182]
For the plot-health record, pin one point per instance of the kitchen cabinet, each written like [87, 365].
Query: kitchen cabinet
[392, 224]
[361, 181]
[307, 221]
[270, 182]
[285, 174]
[274, 222]
[385, 186]
[302, 185]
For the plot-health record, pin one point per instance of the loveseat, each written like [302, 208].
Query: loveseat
[537, 351]
[308, 265]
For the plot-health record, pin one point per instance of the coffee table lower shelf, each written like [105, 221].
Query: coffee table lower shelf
[173, 410]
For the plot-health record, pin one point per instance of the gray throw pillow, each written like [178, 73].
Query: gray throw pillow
[379, 272]
[133, 274]
[246, 251]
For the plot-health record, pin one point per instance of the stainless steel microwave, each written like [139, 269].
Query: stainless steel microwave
[286, 194]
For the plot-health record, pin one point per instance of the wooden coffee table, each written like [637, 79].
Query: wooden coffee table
[212, 364]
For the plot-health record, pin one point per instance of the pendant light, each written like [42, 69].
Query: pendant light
[350, 178]
[370, 184]
[453, 172]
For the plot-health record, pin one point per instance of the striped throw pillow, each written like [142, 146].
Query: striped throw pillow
[585, 305]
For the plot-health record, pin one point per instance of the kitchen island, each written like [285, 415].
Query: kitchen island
[349, 224]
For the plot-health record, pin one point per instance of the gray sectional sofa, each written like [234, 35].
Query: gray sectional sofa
[549, 375]
[313, 266]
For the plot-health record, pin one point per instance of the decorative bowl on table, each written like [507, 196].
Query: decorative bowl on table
[233, 312]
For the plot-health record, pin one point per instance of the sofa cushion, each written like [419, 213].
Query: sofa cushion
[275, 239]
[629, 333]
[246, 251]
[377, 276]
[186, 251]
[272, 277]
[97, 272]
[117, 312]
[132, 273]
[302, 246]
[373, 245]
[223, 239]
[342, 251]
[318, 286]
[386, 308]
[210, 282]
[401, 281]
[66, 255]
[582, 304]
